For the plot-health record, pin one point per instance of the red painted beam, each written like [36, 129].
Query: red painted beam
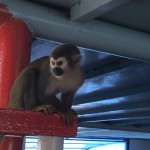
[20, 122]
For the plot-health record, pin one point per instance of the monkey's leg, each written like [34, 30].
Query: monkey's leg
[47, 109]
[23, 92]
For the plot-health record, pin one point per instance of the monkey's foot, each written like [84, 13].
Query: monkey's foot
[46, 109]
[69, 117]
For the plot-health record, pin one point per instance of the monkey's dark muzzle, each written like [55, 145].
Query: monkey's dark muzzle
[58, 71]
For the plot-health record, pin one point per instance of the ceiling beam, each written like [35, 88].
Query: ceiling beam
[100, 108]
[111, 67]
[64, 3]
[87, 91]
[114, 127]
[137, 122]
[107, 133]
[116, 115]
[111, 94]
[55, 25]
[89, 9]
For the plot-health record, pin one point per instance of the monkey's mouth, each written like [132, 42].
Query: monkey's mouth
[57, 71]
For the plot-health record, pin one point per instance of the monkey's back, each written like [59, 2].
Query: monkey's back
[23, 92]
[39, 62]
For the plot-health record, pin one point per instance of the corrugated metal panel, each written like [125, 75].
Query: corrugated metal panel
[115, 94]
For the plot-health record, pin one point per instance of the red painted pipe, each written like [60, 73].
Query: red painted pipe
[15, 43]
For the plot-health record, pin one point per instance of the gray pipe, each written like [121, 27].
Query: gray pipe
[54, 25]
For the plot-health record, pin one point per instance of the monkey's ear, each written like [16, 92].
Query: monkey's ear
[76, 59]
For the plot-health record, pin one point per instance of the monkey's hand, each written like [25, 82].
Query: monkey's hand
[69, 117]
[46, 109]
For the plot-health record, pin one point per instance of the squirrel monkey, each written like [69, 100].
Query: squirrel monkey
[37, 85]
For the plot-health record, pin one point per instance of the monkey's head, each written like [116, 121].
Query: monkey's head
[63, 59]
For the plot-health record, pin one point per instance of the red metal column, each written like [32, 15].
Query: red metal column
[15, 43]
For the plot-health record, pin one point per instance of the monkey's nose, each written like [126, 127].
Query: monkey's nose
[58, 71]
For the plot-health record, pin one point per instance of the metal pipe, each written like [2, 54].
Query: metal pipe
[14, 56]
[50, 143]
[54, 25]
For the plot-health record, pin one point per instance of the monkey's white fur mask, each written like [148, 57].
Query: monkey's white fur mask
[60, 62]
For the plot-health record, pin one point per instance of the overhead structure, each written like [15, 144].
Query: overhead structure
[85, 10]
[55, 25]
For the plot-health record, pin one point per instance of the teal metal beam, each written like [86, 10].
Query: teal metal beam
[55, 25]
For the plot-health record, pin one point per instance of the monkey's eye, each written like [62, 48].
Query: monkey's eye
[59, 63]
[53, 63]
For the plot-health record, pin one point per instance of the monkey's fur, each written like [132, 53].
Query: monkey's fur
[37, 85]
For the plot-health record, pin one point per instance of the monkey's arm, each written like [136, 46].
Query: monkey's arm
[65, 104]
[68, 117]
[67, 99]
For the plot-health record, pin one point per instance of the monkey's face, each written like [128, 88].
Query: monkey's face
[58, 66]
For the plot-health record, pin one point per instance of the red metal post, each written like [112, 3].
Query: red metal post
[15, 43]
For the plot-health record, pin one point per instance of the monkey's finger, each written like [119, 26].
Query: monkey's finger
[69, 119]
[50, 109]
[37, 108]
[47, 109]
[63, 118]
[68, 122]
[42, 108]
[73, 112]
